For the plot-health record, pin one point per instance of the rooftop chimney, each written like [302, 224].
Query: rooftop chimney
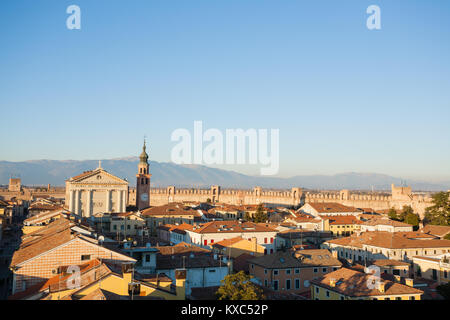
[332, 282]
[409, 282]
[382, 286]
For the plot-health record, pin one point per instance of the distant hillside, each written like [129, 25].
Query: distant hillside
[42, 172]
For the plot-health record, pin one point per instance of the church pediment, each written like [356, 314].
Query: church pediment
[98, 176]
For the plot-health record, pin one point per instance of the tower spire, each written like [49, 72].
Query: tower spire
[144, 156]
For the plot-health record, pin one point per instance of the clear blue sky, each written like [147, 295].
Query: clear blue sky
[344, 98]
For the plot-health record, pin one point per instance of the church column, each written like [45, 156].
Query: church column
[71, 194]
[108, 200]
[124, 206]
[88, 203]
[119, 201]
[77, 201]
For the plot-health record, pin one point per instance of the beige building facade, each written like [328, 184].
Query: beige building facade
[96, 191]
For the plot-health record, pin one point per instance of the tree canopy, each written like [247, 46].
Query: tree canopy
[239, 287]
[260, 215]
[439, 212]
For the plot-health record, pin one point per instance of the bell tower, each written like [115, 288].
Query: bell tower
[143, 181]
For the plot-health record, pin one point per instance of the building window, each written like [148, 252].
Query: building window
[343, 298]
[85, 257]
[398, 298]
[275, 272]
[297, 283]
[147, 258]
[275, 285]
[265, 283]
[316, 270]
[327, 293]
[271, 240]
[412, 298]
[324, 270]
[297, 271]
[288, 284]
[205, 242]
[265, 240]
[288, 271]
[317, 289]
[265, 271]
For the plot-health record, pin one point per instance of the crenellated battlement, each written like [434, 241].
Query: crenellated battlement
[399, 197]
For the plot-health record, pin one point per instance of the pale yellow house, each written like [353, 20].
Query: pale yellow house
[234, 247]
[435, 268]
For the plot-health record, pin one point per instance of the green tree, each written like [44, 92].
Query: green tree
[393, 214]
[208, 200]
[407, 210]
[239, 287]
[439, 212]
[260, 215]
[248, 217]
[447, 236]
[412, 219]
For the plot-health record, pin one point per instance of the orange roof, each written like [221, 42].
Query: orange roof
[354, 284]
[232, 227]
[342, 220]
[228, 242]
[391, 240]
[439, 231]
[58, 282]
[330, 207]
[42, 240]
[386, 222]
[171, 209]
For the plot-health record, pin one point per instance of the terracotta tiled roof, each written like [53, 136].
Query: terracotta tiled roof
[354, 284]
[43, 216]
[389, 263]
[300, 218]
[392, 240]
[439, 231]
[342, 220]
[240, 263]
[83, 175]
[171, 209]
[330, 207]
[189, 257]
[228, 242]
[42, 240]
[232, 227]
[386, 222]
[297, 259]
[88, 272]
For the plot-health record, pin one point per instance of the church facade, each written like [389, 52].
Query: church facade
[96, 191]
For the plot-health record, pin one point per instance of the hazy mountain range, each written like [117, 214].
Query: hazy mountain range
[42, 172]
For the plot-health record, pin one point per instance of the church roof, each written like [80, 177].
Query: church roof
[101, 171]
